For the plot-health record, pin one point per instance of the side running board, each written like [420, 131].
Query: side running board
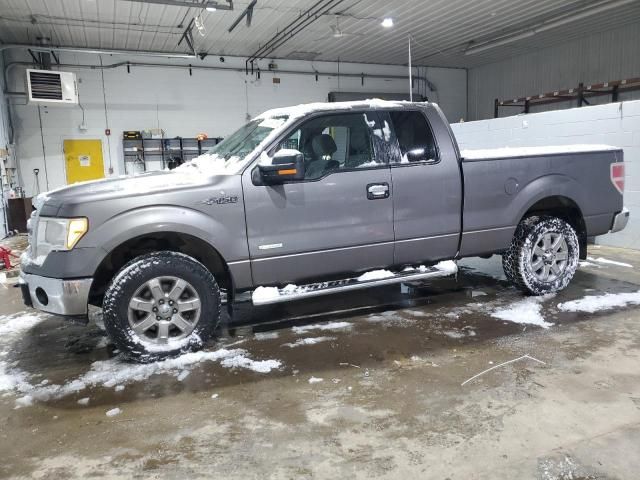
[271, 295]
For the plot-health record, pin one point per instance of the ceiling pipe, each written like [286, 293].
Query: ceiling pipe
[194, 4]
[11, 65]
[546, 25]
[95, 51]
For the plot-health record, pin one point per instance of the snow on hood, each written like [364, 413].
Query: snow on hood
[482, 154]
[123, 185]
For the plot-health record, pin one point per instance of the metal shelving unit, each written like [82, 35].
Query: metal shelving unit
[143, 154]
[580, 95]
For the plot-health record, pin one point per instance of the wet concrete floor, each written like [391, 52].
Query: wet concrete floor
[361, 385]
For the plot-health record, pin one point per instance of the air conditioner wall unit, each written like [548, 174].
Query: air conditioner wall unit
[51, 87]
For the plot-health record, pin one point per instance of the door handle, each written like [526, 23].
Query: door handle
[377, 191]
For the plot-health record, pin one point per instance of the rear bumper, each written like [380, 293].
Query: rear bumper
[620, 220]
[54, 295]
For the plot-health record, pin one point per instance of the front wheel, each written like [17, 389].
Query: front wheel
[543, 256]
[161, 304]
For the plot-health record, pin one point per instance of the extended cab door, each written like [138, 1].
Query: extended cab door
[427, 188]
[339, 219]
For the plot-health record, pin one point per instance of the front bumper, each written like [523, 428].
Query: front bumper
[55, 295]
[620, 220]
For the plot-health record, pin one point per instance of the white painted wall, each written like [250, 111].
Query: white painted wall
[213, 102]
[613, 124]
[601, 57]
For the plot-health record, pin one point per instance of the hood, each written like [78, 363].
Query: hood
[124, 186]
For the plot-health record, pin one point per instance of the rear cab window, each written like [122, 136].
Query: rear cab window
[415, 140]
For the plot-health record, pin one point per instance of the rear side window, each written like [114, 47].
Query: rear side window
[414, 137]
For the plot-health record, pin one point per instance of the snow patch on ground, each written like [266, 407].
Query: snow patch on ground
[266, 335]
[259, 366]
[322, 326]
[527, 311]
[606, 261]
[584, 264]
[308, 341]
[113, 412]
[390, 317]
[116, 372]
[596, 303]
[316, 380]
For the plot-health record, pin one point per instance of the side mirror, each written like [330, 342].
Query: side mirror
[286, 165]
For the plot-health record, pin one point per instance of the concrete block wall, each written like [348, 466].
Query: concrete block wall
[210, 101]
[612, 124]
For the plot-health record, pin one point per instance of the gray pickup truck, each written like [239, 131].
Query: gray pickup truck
[303, 201]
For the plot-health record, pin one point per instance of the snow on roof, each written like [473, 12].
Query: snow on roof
[483, 154]
[306, 108]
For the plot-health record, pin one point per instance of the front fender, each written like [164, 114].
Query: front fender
[224, 236]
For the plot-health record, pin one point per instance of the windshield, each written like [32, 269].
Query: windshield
[228, 156]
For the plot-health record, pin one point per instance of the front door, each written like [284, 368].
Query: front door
[338, 220]
[83, 160]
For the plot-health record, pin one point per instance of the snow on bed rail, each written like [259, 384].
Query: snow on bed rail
[502, 152]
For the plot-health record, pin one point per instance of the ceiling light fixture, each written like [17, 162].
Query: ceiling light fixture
[211, 9]
[544, 26]
[387, 22]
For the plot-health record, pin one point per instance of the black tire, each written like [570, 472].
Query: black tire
[521, 263]
[200, 283]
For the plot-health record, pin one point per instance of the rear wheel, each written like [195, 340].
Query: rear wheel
[160, 305]
[543, 256]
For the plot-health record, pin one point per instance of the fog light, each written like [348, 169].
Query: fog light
[42, 297]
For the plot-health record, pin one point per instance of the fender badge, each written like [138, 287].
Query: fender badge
[223, 200]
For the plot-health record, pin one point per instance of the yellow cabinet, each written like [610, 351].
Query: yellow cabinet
[83, 160]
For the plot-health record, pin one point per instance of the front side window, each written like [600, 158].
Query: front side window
[414, 135]
[335, 142]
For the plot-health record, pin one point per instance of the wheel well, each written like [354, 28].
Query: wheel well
[171, 241]
[567, 210]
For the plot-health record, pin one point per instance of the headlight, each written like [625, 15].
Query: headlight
[59, 234]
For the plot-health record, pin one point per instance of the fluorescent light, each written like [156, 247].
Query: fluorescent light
[211, 9]
[387, 22]
[547, 25]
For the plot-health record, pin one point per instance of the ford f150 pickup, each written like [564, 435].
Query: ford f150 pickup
[307, 201]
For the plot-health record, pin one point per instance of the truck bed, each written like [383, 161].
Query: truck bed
[501, 185]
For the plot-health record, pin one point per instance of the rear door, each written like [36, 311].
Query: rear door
[427, 189]
[339, 219]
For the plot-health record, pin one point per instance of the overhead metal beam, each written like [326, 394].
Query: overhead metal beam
[191, 4]
[248, 12]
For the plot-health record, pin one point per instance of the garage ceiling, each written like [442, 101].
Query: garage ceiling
[442, 30]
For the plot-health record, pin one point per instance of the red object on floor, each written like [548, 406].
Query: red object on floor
[5, 256]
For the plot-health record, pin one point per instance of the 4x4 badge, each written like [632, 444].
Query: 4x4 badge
[221, 200]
